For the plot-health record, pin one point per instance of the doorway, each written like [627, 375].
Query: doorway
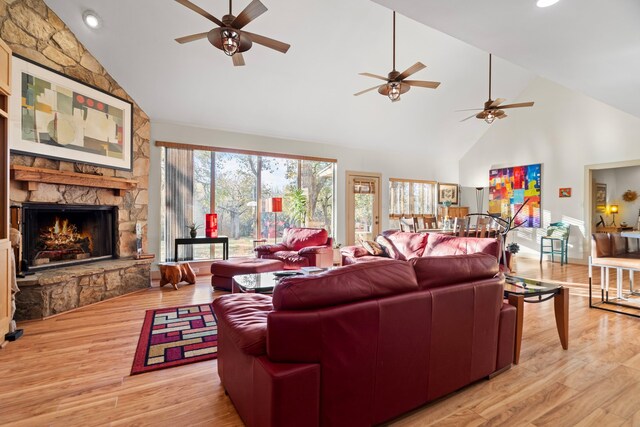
[363, 206]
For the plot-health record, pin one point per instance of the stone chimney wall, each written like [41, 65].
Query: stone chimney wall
[35, 32]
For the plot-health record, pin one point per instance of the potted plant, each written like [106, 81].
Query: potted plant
[513, 248]
[193, 229]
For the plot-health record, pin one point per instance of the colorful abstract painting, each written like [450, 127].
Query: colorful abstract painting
[510, 187]
[58, 117]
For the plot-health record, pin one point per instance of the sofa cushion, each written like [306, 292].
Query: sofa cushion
[410, 245]
[245, 320]
[298, 238]
[389, 248]
[436, 271]
[345, 284]
[291, 259]
[441, 244]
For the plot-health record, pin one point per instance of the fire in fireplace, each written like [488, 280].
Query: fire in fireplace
[64, 234]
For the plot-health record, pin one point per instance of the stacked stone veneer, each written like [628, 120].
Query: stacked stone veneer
[35, 32]
[63, 289]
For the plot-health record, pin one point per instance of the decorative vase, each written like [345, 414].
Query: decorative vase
[194, 233]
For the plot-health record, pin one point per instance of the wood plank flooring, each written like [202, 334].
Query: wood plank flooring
[73, 370]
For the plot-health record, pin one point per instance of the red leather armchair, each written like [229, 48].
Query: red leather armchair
[300, 247]
[363, 344]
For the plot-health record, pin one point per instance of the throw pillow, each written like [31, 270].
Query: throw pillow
[389, 248]
[372, 247]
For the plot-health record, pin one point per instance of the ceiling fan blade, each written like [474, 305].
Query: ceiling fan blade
[411, 70]
[470, 117]
[375, 76]
[192, 37]
[251, 12]
[422, 83]
[366, 90]
[238, 59]
[267, 42]
[497, 102]
[502, 116]
[201, 11]
[520, 105]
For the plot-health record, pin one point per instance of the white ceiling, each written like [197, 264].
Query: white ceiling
[592, 46]
[306, 94]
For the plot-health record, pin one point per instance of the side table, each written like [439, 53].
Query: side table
[224, 240]
[518, 291]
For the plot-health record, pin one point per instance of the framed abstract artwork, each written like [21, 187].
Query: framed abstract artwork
[57, 117]
[601, 197]
[447, 193]
[564, 192]
[510, 187]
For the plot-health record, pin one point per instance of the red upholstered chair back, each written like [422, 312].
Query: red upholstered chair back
[298, 238]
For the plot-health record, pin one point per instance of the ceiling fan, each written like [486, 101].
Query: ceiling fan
[228, 37]
[396, 84]
[492, 109]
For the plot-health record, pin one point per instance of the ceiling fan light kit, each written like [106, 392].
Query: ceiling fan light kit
[396, 84]
[230, 37]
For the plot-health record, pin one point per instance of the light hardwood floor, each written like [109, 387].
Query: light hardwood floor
[73, 370]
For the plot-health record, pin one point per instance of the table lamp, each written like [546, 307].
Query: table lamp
[274, 204]
[614, 210]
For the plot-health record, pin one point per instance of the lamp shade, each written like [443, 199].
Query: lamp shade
[613, 209]
[273, 204]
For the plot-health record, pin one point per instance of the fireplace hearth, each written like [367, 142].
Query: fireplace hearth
[56, 235]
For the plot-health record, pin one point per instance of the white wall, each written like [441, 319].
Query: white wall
[391, 163]
[565, 131]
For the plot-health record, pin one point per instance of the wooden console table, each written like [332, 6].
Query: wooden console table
[224, 240]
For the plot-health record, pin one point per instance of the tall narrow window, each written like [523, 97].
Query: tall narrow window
[178, 198]
[410, 198]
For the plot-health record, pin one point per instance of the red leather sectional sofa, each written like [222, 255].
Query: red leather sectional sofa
[406, 245]
[365, 343]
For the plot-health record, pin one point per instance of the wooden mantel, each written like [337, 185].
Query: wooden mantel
[34, 176]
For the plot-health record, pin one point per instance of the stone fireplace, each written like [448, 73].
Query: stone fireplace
[62, 235]
[35, 32]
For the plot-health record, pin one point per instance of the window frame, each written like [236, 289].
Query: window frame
[411, 182]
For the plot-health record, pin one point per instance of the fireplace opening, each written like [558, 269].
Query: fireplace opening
[55, 235]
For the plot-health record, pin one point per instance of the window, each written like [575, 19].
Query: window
[235, 185]
[410, 198]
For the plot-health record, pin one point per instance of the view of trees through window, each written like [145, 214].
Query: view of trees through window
[410, 198]
[236, 186]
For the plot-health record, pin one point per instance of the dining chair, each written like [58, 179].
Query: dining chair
[461, 226]
[409, 224]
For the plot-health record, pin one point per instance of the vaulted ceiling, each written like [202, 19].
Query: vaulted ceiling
[591, 46]
[306, 94]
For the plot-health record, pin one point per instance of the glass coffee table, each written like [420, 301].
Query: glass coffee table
[519, 290]
[261, 283]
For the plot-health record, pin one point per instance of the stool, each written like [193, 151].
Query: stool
[176, 272]
[558, 232]
[224, 270]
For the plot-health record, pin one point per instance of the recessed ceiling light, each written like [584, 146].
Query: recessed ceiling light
[92, 19]
[546, 3]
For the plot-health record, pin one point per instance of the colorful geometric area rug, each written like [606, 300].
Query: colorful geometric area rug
[176, 336]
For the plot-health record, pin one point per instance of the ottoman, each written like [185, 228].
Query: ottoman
[223, 271]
